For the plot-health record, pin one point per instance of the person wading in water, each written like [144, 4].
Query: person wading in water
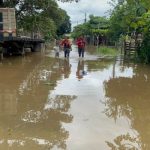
[81, 46]
[66, 46]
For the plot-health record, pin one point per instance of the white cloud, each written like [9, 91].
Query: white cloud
[77, 11]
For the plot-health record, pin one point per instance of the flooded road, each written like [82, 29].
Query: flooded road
[94, 103]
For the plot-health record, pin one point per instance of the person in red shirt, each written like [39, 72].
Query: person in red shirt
[66, 46]
[81, 46]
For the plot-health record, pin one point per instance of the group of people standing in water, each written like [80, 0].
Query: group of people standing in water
[66, 44]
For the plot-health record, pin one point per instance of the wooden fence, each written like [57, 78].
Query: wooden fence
[130, 47]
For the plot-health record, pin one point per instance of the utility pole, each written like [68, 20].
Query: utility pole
[85, 18]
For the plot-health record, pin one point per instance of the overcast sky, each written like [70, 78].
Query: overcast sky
[77, 11]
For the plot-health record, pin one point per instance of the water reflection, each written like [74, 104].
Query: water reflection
[66, 68]
[124, 142]
[60, 102]
[80, 69]
[8, 101]
[31, 116]
[101, 64]
[128, 97]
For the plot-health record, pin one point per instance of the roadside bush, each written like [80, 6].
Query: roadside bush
[103, 50]
[144, 50]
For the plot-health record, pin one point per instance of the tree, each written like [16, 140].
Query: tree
[96, 28]
[130, 16]
[65, 25]
[13, 3]
[39, 17]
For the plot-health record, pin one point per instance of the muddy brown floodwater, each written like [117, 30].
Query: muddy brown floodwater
[49, 103]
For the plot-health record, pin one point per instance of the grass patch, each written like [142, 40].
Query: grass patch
[103, 50]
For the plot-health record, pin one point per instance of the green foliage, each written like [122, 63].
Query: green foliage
[98, 22]
[64, 25]
[40, 16]
[127, 17]
[144, 50]
[82, 29]
[100, 31]
[95, 26]
[13, 3]
[132, 16]
[103, 50]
